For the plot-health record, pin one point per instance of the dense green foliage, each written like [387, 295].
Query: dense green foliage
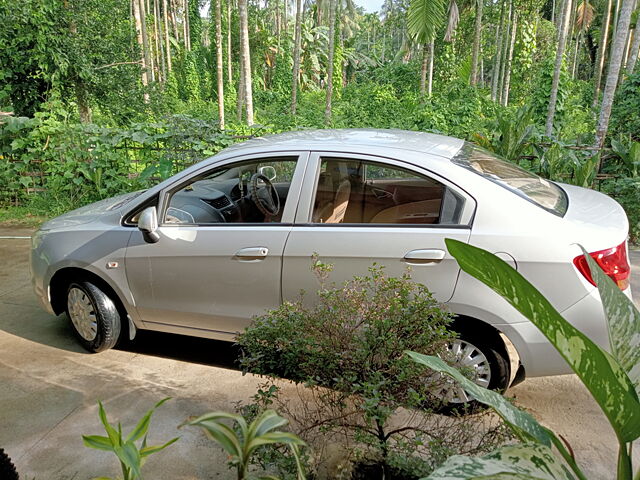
[613, 379]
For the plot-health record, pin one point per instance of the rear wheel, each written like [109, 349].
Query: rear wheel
[484, 364]
[94, 316]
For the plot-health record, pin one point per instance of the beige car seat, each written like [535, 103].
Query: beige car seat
[332, 197]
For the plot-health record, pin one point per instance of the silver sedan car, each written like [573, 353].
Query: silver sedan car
[207, 250]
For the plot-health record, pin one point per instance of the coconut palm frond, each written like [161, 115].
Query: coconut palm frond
[452, 23]
[424, 17]
[584, 16]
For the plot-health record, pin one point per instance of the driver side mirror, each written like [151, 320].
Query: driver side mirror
[148, 224]
[269, 172]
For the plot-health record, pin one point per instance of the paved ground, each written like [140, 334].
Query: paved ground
[49, 388]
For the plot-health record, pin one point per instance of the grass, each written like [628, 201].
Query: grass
[20, 217]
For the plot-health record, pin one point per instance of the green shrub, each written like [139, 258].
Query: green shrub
[624, 115]
[347, 351]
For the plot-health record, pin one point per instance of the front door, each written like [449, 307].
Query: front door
[362, 210]
[222, 233]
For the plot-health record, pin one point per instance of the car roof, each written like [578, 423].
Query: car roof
[355, 138]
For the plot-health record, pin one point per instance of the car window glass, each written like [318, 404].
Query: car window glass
[523, 183]
[356, 192]
[253, 191]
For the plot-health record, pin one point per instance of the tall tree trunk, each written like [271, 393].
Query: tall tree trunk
[245, 58]
[285, 15]
[229, 66]
[145, 43]
[430, 69]
[185, 25]
[219, 65]
[174, 19]
[615, 60]
[423, 69]
[297, 43]
[332, 41]
[635, 46]
[562, 39]
[497, 65]
[138, 21]
[602, 50]
[157, 39]
[165, 13]
[506, 39]
[477, 37]
[512, 44]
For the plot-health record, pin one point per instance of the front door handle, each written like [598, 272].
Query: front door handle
[424, 256]
[252, 253]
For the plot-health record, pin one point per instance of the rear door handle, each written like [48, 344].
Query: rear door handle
[252, 253]
[424, 256]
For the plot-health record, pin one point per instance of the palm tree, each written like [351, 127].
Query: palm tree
[296, 56]
[602, 48]
[332, 41]
[562, 39]
[477, 36]
[423, 19]
[615, 61]
[245, 59]
[219, 65]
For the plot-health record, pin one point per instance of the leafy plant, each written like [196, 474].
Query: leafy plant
[511, 135]
[629, 153]
[613, 379]
[131, 456]
[347, 351]
[242, 441]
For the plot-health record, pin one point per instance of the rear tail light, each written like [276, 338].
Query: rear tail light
[613, 262]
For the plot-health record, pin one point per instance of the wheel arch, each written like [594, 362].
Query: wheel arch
[62, 278]
[496, 340]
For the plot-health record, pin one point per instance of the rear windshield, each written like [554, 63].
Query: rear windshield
[527, 185]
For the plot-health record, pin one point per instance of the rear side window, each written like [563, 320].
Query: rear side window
[537, 190]
[352, 191]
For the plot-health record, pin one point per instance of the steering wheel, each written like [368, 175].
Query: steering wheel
[264, 196]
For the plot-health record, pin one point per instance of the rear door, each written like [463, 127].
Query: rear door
[356, 210]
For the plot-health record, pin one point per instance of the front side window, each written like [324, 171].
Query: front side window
[523, 183]
[351, 191]
[252, 191]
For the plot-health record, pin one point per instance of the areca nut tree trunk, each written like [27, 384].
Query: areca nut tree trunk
[615, 61]
[507, 69]
[219, 65]
[330, 57]
[495, 74]
[165, 14]
[635, 47]
[297, 45]
[602, 49]
[245, 59]
[143, 61]
[562, 40]
[423, 19]
[477, 37]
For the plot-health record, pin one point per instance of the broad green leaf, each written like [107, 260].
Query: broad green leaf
[129, 456]
[274, 437]
[98, 442]
[624, 323]
[600, 373]
[531, 461]
[220, 415]
[111, 432]
[146, 451]
[269, 420]
[143, 425]
[222, 434]
[523, 424]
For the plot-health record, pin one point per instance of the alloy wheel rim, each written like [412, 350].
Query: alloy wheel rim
[467, 357]
[82, 313]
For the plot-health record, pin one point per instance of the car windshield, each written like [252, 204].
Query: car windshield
[527, 185]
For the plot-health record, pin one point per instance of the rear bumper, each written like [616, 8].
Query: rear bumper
[538, 356]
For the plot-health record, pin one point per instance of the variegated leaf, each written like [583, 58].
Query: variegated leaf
[598, 370]
[530, 461]
[624, 323]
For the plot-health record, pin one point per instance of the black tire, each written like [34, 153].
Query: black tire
[7, 469]
[107, 318]
[498, 365]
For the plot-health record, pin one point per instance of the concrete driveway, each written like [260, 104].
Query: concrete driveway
[49, 388]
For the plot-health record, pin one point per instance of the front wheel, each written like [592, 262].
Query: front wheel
[94, 316]
[476, 358]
